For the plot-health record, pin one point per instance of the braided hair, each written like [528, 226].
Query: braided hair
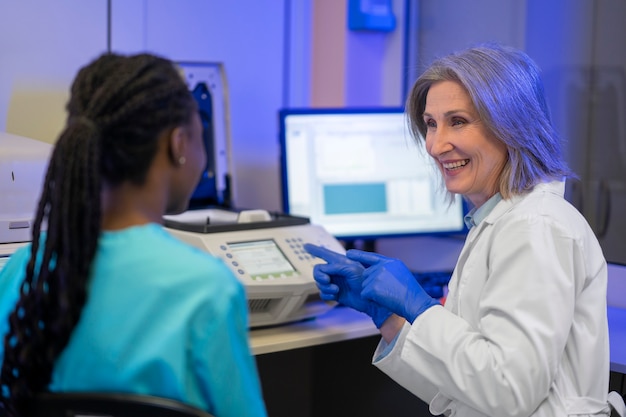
[119, 106]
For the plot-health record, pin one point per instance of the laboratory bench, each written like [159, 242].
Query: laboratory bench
[322, 367]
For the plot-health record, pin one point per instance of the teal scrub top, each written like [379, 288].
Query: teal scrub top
[161, 318]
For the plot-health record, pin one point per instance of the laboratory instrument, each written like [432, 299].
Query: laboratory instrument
[265, 252]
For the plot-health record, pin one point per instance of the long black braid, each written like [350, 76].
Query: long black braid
[118, 108]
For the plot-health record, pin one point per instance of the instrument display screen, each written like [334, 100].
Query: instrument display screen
[262, 259]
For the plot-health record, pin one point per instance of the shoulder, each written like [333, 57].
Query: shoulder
[546, 205]
[545, 220]
[163, 258]
[154, 242]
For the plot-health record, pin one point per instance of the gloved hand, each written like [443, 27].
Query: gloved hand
[340, 279]
[389, 283]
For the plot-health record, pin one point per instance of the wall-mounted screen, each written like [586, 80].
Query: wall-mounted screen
[359, 174]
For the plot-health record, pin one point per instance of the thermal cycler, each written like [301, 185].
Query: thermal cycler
[265, 252]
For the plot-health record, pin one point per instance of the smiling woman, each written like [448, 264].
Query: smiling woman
[524, 328]
[504, 89]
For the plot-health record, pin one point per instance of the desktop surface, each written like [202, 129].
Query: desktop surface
[343, 323]
[339, 324]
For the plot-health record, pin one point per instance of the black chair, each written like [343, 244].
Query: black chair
[101, 404]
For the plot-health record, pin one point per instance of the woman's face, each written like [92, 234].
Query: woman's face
[469, 157]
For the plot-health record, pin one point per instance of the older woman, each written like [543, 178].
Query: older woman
[524, 329]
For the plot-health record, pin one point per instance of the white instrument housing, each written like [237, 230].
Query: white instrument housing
[269, 259]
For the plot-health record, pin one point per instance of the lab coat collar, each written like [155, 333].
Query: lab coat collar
[504, 205]
[554, 187]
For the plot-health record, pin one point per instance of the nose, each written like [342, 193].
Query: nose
[437, 143]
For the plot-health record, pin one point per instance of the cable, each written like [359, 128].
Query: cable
[109, 26]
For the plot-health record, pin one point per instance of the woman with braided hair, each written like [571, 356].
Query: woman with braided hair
[104, 299]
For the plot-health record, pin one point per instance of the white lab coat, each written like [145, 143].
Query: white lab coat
[524, 329]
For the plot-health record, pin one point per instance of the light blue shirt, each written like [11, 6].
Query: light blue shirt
[477, 215]
[161, 318]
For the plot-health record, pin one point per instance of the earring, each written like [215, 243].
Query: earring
[182, 160]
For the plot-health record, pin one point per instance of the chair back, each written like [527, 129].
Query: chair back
[96, 404]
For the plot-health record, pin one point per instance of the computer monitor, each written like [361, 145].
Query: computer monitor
[360, 175]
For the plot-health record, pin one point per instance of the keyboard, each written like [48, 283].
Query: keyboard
[433, 282]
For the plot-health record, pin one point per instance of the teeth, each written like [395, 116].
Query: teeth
[457, 164]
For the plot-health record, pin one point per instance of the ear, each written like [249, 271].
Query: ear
[177, 144]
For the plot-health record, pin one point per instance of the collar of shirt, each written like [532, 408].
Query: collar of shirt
[477, 215]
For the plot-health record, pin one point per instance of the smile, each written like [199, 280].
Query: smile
[455, 165]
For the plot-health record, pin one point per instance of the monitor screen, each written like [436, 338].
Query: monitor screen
[360, 175]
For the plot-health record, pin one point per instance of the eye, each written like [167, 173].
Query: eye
[458, 121]
[430, 123]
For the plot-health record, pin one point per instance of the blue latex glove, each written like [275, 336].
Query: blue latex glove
[389, 283]
[340, 279]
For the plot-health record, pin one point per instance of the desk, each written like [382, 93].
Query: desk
[342, 323]
[339, 324]
[617, 338]
[322, 367]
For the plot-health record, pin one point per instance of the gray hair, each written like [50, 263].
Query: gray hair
[505, 87]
